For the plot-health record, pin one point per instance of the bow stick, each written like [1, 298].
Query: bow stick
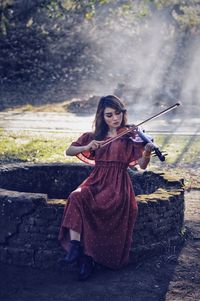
[133, 127]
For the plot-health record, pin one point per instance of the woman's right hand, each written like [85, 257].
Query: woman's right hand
[94, 144]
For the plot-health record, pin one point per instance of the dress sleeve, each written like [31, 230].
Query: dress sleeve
[86, 156]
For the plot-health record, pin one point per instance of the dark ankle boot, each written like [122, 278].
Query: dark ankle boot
[75, 251]
[86, 267]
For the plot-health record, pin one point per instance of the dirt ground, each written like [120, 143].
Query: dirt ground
[173, 276]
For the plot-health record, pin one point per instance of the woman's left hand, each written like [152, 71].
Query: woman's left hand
[144, 160]
[149, 147]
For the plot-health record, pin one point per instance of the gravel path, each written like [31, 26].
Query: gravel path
[68, 122]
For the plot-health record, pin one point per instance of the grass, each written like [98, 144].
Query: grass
[30, 147]
[182, 159]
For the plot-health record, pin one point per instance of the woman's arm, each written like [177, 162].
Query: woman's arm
[145, 159]
[75, 150]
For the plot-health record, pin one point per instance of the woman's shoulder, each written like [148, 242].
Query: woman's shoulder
[87, 135]
[84, 139]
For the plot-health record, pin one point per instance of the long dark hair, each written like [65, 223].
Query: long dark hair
[101, 127]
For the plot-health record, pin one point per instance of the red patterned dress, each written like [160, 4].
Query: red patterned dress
[103, 208]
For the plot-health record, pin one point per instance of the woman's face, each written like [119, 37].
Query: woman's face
[113, 117]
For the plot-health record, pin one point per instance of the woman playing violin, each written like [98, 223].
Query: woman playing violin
[100, 214]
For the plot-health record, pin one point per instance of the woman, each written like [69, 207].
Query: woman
[99, 217]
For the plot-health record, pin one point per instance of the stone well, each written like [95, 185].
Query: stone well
[32, 199]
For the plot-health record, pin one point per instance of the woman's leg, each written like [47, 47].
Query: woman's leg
[75, 248]
[74, 235]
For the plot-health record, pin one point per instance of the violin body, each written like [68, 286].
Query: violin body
[144, 139]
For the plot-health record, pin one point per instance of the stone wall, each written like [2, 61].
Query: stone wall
[32, 199]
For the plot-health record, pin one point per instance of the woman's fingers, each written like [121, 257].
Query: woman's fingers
[149, 147]
[97, 144]
[94, 144]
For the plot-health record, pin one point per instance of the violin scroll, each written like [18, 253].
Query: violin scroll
[159, 154]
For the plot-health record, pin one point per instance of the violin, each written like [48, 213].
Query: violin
[135, 128]
[146, 139]
[127, 134]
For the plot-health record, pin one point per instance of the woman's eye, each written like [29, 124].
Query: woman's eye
[108, 115]
[117, 113]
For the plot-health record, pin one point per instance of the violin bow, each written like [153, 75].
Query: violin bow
[135, 126]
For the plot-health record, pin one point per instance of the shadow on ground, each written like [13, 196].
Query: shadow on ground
[144, 281]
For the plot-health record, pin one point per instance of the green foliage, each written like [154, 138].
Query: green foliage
[4, 4]
[43, 42]
[185, 13]
[190, 16]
